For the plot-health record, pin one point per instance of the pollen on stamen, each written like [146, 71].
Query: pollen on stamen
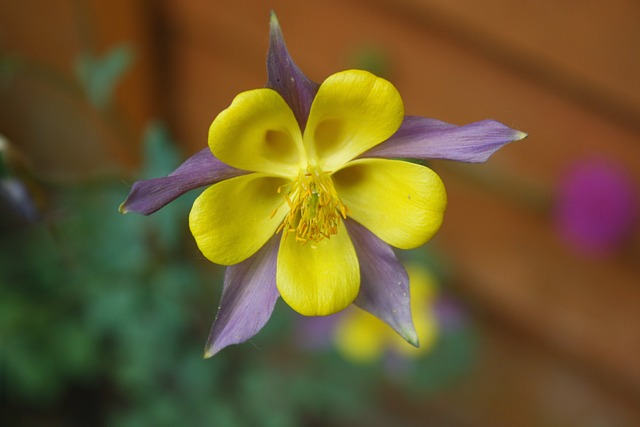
[314, 207]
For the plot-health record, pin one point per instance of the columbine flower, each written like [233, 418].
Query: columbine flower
[303, 202]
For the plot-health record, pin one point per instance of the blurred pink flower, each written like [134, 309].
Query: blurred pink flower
[596, 206]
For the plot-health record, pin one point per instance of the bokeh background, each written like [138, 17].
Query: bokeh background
[103, 317]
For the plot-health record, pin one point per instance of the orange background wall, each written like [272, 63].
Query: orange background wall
[561, 330]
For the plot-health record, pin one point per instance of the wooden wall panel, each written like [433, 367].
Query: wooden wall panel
[592, 42]
[541, 67]
[44, 110]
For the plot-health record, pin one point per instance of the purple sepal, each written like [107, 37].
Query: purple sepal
[424, 138]
[248, 298]
[384, 283]
[284, 76]
[149, 195]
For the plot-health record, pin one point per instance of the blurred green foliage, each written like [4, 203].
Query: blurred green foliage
[99, 75]
[119, 308]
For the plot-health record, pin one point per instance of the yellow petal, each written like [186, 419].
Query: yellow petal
[232, 219]
[318, 278]
[352, 112]
[359, 336]
[400, 202]
[258, 132]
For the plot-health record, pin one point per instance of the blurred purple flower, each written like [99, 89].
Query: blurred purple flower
[450, 314]
[596, 206]
[316, 332]
[17, 205]
[16, 202]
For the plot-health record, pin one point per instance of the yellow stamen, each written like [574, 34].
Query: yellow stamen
[314, 207]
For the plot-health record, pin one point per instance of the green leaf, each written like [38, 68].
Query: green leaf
[9, 67]
[161, 157]
[372, 59]
[453, 357]
[100, 75]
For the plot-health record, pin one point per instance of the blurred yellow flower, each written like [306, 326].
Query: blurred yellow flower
[362, 338]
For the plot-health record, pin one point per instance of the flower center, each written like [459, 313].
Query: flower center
[315, 207]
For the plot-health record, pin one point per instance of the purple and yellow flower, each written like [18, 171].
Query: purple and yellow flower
[305, 199]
